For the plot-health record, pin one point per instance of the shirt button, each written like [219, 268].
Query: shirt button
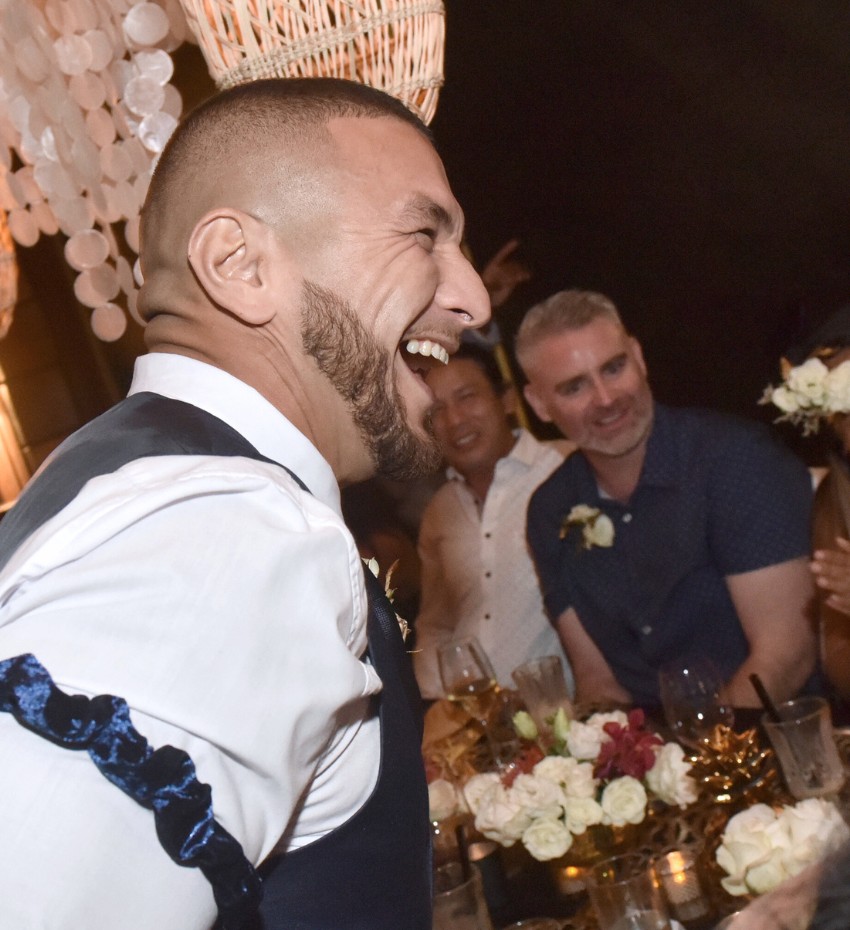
[486, 616]
[487, 535]
[646, 630]
[627, 518]
[487, 574]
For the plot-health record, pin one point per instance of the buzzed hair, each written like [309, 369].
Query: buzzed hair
[263, 112]
[566, 310]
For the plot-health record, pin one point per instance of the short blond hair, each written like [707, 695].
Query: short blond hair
[566, 310]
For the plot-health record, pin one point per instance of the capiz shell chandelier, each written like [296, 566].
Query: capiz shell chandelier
[394, 45]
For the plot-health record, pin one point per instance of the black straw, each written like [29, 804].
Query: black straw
[764, 697]
[463, 852]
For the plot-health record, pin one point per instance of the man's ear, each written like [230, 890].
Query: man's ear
[231, 256]
[536, 403]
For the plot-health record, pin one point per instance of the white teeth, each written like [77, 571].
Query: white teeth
[428, 348]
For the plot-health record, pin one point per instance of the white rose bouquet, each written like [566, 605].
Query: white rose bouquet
[763, 846]
[810, 392]
[603, 770]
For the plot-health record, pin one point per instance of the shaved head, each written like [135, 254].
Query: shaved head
[258, 147]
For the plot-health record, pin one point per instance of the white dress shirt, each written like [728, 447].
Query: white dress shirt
[477, 575]
[226, 605]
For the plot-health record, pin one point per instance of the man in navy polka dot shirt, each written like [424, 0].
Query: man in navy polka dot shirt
[691, 536]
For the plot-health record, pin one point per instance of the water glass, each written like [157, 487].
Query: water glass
[691, 698]
[459, 902]
[625, 895]
[804, 745]
[543, 689]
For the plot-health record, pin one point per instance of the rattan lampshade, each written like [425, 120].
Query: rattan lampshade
[8, 276]
[394, 45]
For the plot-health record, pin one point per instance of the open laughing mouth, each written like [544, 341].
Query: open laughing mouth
[422, 355]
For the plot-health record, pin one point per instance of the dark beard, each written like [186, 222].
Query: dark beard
[351, 359]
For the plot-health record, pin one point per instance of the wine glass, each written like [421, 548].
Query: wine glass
[468, 678]
[691, 695]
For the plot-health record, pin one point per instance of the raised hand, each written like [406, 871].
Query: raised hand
[831, 568]
[503, 273]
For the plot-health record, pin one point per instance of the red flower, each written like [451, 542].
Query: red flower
[522, 764]
[630, 751]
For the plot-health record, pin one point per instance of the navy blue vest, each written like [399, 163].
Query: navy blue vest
[374, 871]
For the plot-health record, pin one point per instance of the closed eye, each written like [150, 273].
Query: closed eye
[426, 238]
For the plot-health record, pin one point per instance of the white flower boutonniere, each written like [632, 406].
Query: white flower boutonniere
[597, 528]
[372, 565]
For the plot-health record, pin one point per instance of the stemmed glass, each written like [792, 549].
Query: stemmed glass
[468, 678]
[691, 698]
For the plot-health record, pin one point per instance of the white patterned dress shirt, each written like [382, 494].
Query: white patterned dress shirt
[477, 576]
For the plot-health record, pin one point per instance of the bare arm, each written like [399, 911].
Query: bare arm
[595, 682]
[831, 569]
[775, 607]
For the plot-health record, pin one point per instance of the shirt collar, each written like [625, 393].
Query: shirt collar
[522, 452]
[242, 407]
[659, 465]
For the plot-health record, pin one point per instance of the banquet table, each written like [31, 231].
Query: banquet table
[518, 887]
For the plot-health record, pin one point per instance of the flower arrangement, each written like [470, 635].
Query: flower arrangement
[762, 846]
[810, 392]
[599, 771]
[597, 529]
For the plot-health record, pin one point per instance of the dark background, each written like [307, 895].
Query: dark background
[689, 159]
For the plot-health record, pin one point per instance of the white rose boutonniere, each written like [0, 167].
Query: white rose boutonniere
[597, 529]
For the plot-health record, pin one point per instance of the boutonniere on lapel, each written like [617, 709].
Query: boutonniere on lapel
[596, 527]
[372, 565]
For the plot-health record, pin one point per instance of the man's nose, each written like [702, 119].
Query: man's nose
[462, 291]
[602, 393]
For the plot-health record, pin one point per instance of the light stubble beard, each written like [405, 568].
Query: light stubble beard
[359, 370]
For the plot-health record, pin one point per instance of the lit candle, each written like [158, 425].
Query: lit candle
[680, 881]
[570, 879]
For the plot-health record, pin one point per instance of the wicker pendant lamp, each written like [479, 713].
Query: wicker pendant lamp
[394, 45]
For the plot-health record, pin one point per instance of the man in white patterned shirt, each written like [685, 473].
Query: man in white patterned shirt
[477, 576]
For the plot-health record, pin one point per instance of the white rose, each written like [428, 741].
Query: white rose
[580, 813]
[584, 740]
[442, 799]
[599, 532]
[477, 786]
[785, 400]
[575, 778]
[838, 389]
[501, 816]
[547, 838]
[753, 851]
[815, 828]
[539, 797]
[808, 382]
[767, 875]
[612, 716]
[582, 513]
[669, 778]
[623, 801]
